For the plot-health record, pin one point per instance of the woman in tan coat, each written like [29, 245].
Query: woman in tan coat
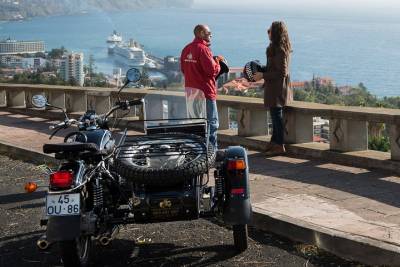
[277, 82]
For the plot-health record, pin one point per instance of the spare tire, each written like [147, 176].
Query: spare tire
[164, 159]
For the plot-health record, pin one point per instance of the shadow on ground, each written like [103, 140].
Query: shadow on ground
[21, 251]
[364, 183]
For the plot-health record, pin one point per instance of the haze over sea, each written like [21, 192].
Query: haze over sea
[348, 48]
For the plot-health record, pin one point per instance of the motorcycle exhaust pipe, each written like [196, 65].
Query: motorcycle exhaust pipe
[42, 243]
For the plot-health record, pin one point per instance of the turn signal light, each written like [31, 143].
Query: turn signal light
[238, 164]
[30, 187]
[61, 179]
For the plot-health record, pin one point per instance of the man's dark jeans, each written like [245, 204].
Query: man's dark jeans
[277, 125]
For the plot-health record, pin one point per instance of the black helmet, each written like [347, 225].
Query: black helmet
[251, 68]
[224, 67]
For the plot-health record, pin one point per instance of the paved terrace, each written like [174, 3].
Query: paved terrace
[307, 195]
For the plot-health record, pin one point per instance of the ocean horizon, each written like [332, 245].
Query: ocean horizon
[349, 49]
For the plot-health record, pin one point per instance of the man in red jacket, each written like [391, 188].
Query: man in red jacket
[200, 69]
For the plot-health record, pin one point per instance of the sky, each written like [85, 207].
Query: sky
[369, 5]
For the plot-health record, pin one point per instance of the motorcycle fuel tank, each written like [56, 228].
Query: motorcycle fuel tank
[102, 138]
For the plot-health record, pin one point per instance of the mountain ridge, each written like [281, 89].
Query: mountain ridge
[24, 9]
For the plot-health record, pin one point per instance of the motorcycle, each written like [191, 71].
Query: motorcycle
[160, 176]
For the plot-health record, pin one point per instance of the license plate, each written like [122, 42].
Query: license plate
[63, 204]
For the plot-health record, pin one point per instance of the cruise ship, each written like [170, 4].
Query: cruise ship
[114, 38]
[131, 54]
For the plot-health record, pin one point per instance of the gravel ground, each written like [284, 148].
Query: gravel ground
[194, 243]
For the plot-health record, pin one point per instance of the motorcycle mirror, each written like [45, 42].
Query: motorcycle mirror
[133, 75]
[39, 101]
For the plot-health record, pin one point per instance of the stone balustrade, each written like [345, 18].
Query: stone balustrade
[348, 125]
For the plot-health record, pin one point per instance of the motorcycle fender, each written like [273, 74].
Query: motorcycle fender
[237, 208]
[61, 228]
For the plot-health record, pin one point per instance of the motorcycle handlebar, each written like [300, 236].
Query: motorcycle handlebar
[124, 105]
[119, 105]
[63, 124]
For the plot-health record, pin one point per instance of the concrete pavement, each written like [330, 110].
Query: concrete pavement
[352, 212]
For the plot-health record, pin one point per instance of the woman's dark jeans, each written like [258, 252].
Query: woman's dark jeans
[277, 125]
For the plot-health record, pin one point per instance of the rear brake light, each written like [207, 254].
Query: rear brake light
[61, 179]
[237, 191]
[237, 164]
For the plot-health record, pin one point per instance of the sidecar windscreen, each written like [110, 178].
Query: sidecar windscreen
[181, 111]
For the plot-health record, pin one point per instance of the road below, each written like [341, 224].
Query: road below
[195, 243]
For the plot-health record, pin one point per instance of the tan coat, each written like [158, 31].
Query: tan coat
[277, 92]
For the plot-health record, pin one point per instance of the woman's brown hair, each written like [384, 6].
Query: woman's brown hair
[279, 39]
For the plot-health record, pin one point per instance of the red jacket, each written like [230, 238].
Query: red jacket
[200, 68]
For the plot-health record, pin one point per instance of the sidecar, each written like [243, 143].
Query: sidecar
[167, 170]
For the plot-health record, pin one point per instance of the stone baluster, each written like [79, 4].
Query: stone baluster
[348, 135]
[57, 98]
[252, 122]
[16, 98]
[101, 102]
[223, 116]
[76, 101]
[3, 98]
[298, 127]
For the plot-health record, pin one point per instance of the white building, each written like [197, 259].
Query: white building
[321, 128]
[22, 62]
[14, 47]
[72, 68]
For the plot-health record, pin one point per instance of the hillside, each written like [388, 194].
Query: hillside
[22, 9]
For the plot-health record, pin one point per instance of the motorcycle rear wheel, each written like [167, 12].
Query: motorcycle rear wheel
[240, 237]
[77, 253]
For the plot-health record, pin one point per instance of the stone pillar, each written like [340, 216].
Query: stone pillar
[16, 98]
[298, 127]
[348, 135]
[252, 122]
[57, 98]
[76, 101]
[100, 103]
[223, 117]
[394, 137]
[3, 98]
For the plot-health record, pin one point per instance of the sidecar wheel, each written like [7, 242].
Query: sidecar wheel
[240, 236]
[76, 253]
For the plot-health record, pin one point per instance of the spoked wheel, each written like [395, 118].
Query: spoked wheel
[164, 159]
[240, 236]
[77, 253]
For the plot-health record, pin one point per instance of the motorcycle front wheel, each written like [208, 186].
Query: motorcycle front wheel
[77, 253]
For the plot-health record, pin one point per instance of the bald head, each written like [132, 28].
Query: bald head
[203, 32]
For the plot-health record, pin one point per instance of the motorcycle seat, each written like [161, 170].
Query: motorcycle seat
[70, 147]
